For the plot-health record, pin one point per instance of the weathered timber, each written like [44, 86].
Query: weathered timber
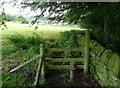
[39, 66]
[72, 70]
[43, 71]
[63, 66]
[65, 60]
[25, 63]
[65, 49]
[86, 58]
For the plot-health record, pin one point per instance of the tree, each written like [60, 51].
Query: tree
[2, 20]
[102, 18]
[9, 17]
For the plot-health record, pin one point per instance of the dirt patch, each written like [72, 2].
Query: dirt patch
[54, 80]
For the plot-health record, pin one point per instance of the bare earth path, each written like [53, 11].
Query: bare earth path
[55, 80]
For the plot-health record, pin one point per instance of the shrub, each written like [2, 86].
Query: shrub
[68, 39]
[22, 42]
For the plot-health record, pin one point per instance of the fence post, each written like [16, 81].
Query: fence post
[39, 65]
[43, 71]
[86, 58]
[72, 71]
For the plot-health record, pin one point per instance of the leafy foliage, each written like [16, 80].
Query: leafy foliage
[22, 42]
[9, 17]
[102, 18]
[2, 20]
[68, 39]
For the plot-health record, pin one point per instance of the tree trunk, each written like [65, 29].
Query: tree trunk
[105, 32]
[105, 27]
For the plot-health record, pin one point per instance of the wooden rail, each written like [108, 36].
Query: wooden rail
[63, 67]
[64, 59]
[65, 49]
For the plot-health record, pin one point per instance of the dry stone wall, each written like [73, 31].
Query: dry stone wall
[104, 63]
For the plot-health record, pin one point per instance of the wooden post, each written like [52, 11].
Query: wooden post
[43, 69]
[72, 71]
[86, 58]
[39, 66]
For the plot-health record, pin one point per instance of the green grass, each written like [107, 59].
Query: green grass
[43, 30]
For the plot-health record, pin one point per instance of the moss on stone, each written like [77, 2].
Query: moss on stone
[111, 63]
[116, 68]
[104, 59]
[106, 64]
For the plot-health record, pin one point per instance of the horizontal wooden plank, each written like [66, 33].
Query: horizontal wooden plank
[65, 49]
[65, 60]
[80, 67]
[58, 66]
[63, 67]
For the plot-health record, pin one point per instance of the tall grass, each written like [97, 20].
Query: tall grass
[20, 49]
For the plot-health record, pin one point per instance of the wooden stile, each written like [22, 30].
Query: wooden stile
[72, 66]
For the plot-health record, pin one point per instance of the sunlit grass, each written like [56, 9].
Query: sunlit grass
[25, 29]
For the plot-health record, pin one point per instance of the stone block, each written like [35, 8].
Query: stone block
[116, 68]
[104, 59]
[107, 79]
[96, 50]
[119, 67]
[111, 62]
[99, 49]
[114, 81]
[101, 72]
[105, 56]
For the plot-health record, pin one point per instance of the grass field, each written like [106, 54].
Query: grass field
[43, 30]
